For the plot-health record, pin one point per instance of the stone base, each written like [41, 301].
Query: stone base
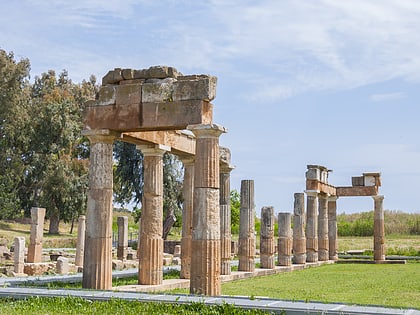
[37, 269]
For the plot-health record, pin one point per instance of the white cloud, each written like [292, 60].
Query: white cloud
[387, 97]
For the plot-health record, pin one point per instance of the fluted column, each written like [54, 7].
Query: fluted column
[246, 243]
[285, 241]
[225, 220]
[332, 228]
[378, 229]
[312, 226]
[37, 235]
[205, 261]
[97, 261]
[267, 247]
[80, 245]
[323, 243]
[299, 238]
[151, 241]
[122, 223]
[187, 214]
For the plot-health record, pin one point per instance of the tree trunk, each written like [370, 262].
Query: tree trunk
[168, 223]
[54, 224]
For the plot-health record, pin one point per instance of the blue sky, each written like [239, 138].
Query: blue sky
[327, 82]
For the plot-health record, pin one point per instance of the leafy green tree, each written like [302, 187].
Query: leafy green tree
[235, 209]
[128, 181]
[13, 140]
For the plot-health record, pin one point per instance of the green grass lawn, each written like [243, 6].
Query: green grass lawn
[387, 285]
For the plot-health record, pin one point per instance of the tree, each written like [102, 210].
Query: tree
[56, 173]
[235, 209]
[128, 182]
[13, 140]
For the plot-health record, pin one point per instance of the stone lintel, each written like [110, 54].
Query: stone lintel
[143, 116]
[356, 191]
[313, 184]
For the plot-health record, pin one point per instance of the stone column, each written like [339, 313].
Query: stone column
[37, 232]
[378, 229]
[267, 238]
[332, 228]
[19, 253]
[122, 247]
[246, 246]
[323, 243]
[285, 241]
[97, 261]
[151, 241]
[299, 238]
[312, 226]
[205, 244]
[225, 214]
[187, 214]
[80, 246]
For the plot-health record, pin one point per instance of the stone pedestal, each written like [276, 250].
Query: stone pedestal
[246, 244]
[205, 261]
[122, 223]
[187, 214]
[62, 265]
[97, 261]
[299, 238]
[151, 241]
[19, 253]
[323, 242]
[312, 226]
[378, 229]
[225, 216]
[80, 246]
[37, 232]
[267, 247]
[332, 228]
[285, 241]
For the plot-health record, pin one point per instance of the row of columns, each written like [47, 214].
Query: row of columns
[201, 231]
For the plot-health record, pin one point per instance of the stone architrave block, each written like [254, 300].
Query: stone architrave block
[106, 96]
[158, 91]
[112, 77]
[128, 94]
[195, 88]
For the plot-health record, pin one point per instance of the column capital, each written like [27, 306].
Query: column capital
[207, 131]
[312, 193]
[153, 149]
[332, 198]
[378, 197]
[101, 135]
[187, 160]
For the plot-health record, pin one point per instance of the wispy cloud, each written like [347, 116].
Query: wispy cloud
[387, 97]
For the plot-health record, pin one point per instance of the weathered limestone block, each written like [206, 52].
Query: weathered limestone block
[127, 74]
[122, 222]
[312, 226]
[299, 238]
[19, 254]
[267, 238]
[107, 95]
[62, 265]
[378, 229]
[246, 246]
[332, 228]
[285, 241]
[323, 242]
[187, 211]
[80, 246]
[36, 237]
[36, 269]
[202, 87]
[158, 91]
[112, 77]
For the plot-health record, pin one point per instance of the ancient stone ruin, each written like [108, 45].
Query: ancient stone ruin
[159, 110]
